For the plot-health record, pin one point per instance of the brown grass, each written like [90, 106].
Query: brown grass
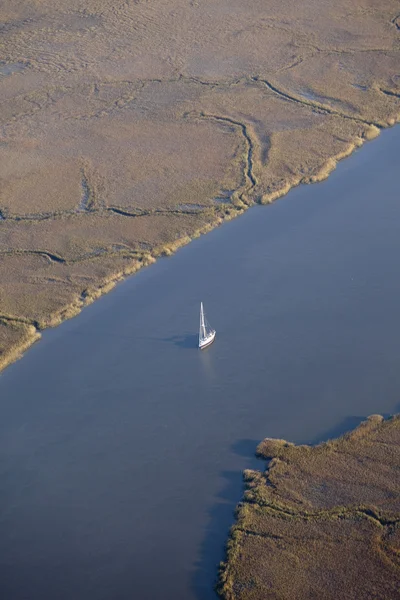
[321, 522]
[15, 338]
[122, 123]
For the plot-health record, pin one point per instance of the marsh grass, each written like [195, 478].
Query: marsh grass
[321, 521]
[94, 161]
[15, 339]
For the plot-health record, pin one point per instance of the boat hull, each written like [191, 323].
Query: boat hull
[207, 342]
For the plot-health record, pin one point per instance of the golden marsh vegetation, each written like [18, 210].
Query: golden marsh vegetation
[129, 127]
[320, 522]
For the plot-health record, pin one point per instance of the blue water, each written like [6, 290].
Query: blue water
[122, 445]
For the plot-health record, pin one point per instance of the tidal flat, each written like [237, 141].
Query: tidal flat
[129, 128]
[320, 522]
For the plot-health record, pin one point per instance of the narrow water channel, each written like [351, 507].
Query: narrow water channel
[122, 445]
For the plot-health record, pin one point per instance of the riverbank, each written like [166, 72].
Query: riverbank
[123, 137]
[304, 296]
[17, 334]
[321, 521]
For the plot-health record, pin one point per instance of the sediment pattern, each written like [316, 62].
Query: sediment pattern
[128, 128]
[320, 522]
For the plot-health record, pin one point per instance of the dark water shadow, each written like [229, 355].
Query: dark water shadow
[188, 340]
[396, 411]
[221, 518]
[346, 425]
[246, 448]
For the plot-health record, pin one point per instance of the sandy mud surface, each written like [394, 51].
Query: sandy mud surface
[321, 522]
[129, 127]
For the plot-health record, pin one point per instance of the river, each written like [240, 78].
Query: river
[122, 444]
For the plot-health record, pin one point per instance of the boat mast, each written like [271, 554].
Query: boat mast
[202, 326]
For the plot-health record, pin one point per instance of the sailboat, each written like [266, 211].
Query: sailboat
[206, 333]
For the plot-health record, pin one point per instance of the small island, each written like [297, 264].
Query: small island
[320, 522]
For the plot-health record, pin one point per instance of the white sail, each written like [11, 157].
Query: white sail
[206, 333]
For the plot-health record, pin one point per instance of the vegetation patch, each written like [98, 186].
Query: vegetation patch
[320, 522]
[119, 133]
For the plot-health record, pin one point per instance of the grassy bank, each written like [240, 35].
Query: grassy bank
[320, 522]
[122, 139]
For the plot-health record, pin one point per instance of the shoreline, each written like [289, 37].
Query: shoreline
[122, 139]
[304, 522]
[306, 288]
[32, 331]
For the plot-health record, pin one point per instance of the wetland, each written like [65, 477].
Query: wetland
[333, 532]
[122, 445]
[127, 130]
[123, 125]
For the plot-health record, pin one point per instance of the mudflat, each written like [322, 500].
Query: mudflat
[128, 128]
[321, 522]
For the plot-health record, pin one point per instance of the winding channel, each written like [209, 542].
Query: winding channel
[122, 445]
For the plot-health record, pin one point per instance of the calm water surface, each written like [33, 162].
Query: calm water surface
[122, 445]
